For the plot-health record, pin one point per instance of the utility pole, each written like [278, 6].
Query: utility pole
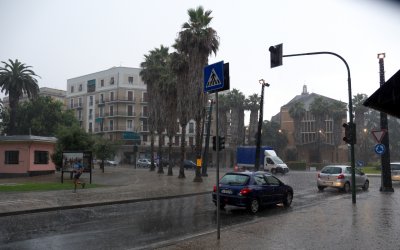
[386, 178]
[260, 121]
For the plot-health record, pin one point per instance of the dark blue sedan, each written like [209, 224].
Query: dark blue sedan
[252, 190]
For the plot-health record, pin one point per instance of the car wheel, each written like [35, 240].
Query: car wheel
[254, 206]
[288, 199]
[366, 185]
[321, 188]
[273, 171]
[346, 187]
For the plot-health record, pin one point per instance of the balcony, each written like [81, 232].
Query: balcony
[119, 114]
[78, 105]
[144, 100]
[144, 114]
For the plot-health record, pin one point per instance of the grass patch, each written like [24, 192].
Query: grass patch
[29, 186]
[371, 170]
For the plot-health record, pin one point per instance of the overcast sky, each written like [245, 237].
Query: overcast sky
[62, 39]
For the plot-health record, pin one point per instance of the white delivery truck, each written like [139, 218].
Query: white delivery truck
[273, 163]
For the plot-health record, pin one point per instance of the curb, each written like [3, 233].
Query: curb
[96, 204]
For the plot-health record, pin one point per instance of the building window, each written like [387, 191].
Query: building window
[129, 125]
[130, 95]
[111, 125]
[80, 87]
[101, 98]
[41, 157]
[130, 79]
[130, 110]
[111, 110]
[91, 100]
[111, 96]
[101, 111]
[72, 89]
[80, 102]
[145, 126]
[11, 157]
[102, 83]
[191, 141]
[90, 127]
[112, 81]
[71, 103]
[80, 115]
[90, 114]
[144, 97]
[145, 111]
[191, 127]
[91, 85]
[144, 138]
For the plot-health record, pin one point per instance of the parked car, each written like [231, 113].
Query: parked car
[395, 169]
[252, 190]
[339, 176]
[189, 164]
[143, 163]
[111, 163]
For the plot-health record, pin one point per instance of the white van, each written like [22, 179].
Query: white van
[273, 163]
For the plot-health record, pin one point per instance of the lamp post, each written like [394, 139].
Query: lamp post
[386, 179]
[260, 121]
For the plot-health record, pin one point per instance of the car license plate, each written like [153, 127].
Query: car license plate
[226, 191]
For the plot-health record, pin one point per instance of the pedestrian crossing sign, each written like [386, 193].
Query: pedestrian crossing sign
[214, 77]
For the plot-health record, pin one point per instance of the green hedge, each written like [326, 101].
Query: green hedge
[296, 165]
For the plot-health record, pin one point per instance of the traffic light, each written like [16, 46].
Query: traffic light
[276, 55]
[214, 143]
[349, 133]
[221, 143]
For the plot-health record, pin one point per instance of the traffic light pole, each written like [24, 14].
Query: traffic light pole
[386, 177]
[351, 123]
[217, 181]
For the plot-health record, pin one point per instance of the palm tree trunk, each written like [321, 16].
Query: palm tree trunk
[183, 152]
[152, 167]
[159, 157]
[197, 177]
[170, 156]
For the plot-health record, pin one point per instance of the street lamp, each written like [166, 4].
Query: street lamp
[260, 120]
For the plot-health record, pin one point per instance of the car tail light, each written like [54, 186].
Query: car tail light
[215, 188]
[319, 175]
[341, 176]
[245, 191]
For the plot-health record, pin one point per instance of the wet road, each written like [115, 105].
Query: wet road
[141, 224]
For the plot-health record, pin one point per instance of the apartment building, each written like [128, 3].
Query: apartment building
[55, 94]
[114, 102]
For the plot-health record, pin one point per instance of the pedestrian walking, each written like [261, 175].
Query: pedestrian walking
[78, 170]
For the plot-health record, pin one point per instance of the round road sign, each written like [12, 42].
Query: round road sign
[379, 149]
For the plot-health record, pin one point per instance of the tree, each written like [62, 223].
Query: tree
[198, 41]
[17, 79]
[338, 111]
[103, 149]
[252, 103]
[154, 72]
[297, 112]
[320, 109]
[273, 137]
[179, 65]
[71, 138]
[41, 116]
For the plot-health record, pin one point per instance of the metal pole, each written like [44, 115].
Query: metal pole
[260, 122]
[386, 178]
[351, 117]
[217, 180]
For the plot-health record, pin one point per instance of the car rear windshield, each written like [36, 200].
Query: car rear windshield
[331, 170]
[234, 179]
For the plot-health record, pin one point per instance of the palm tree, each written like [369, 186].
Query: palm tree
[198, 41]
[252, 103]
[180, 68]
[155, 71]
[17, 79]
[297, 112]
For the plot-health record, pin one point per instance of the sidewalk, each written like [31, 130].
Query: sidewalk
[122, 184]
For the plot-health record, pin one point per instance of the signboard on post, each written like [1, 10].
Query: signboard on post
[216, 77]
[378, 134]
